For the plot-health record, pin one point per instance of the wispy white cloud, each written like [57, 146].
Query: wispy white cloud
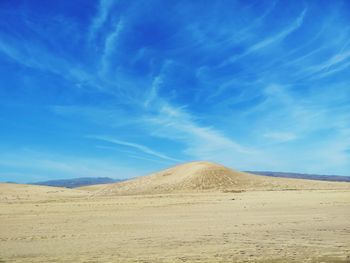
[257, 20]
[136, 146]
[30, 55]
[201, 142]
[153, 93]
[332, 65]
[269, 41]
[35, 55]
[223, 37]
[133, 154]
[280, 136]
[100, 18]
[110, 45]
[281, 35]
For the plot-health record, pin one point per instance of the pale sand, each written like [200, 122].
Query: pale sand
[43, 224]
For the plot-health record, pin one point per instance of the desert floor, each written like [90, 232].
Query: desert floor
[260, 226]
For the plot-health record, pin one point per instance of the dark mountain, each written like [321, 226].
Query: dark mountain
[10, 182]
[77, 182]
[335, 178]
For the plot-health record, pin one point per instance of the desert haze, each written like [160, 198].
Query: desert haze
[195, 212]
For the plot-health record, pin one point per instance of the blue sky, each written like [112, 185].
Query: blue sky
[125, 88]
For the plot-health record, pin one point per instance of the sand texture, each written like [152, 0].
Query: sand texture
[202, 222]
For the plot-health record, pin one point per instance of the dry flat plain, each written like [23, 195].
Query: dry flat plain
[46, 224]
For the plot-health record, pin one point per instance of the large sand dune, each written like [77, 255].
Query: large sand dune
[206, 176]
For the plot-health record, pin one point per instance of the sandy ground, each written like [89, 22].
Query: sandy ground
[257, 226]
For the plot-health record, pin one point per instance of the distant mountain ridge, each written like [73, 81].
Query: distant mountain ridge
[332, 178]
[86, 181]
[78, 182]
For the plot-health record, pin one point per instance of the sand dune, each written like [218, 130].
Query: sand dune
[206, 176]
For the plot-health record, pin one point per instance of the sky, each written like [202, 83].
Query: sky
[126, 88]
